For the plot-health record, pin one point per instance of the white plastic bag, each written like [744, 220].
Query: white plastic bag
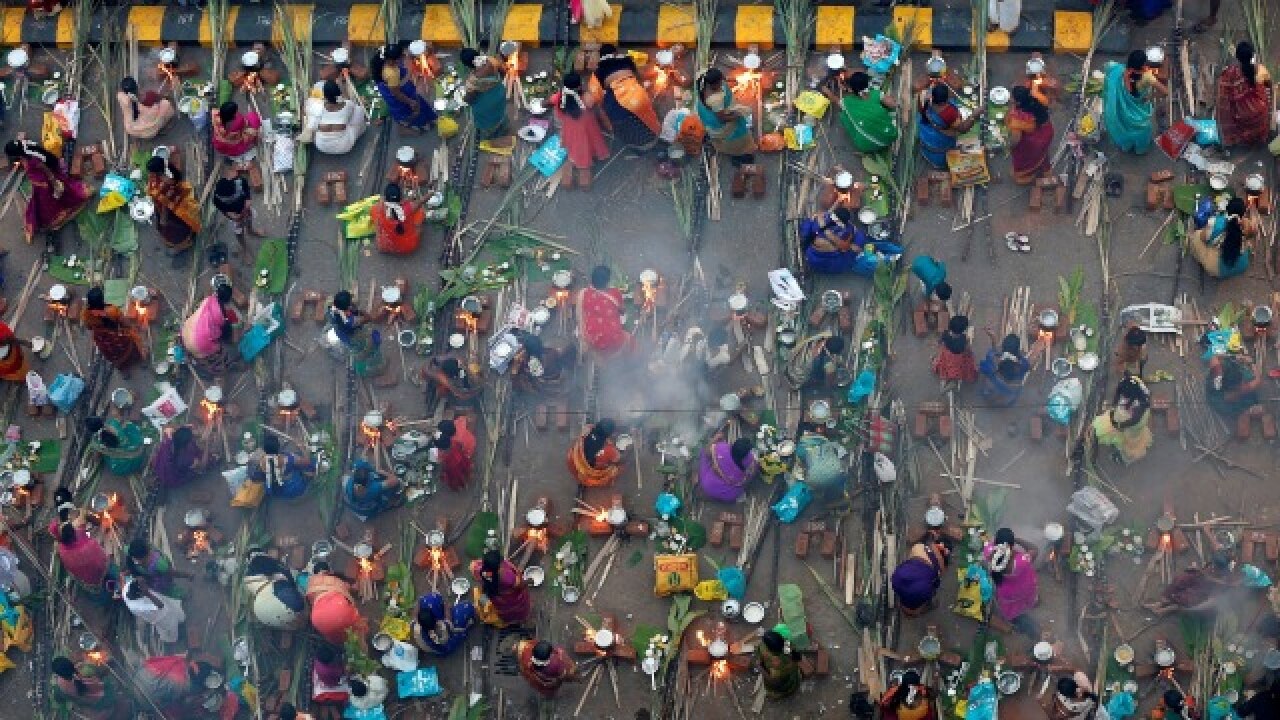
[36, 391]
[886, 473]
[282, 152]
[1092, 507]
[166, 407]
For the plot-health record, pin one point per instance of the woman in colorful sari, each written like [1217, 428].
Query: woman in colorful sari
[544, 666]
[867, 115]
[1227, 254]
[600, 312]
[396, 87]
[594, 461]
[119, 443]
[165, 614]
[333, 122]
[1014, 574]
[144, 561]
[1144, 11]
[485, 93]
[1031, 134]
[502, 598]
[118, 342]
[398, 222]
[81, 556]
[1244, 100]
[916, 580]
[1004, 372]
[457, 447]
[87, 688]
[728, 124]
[1125, 425]
[333, 609]
[779, 665]
[349, 326]
[329, 688]
[235, 136]
[908, 700]
[438, 632]
[56, 197]
[941, 124]
[1127, 108]
[285, 475]
[832, 244]
[208, 335]
[177, 458]
[13, 362]
[173, 683]
[954, 362]
[626, 103]
[143, 118]
[580, 132]
[1231, 386]
[724, 469]
[1075, 699]
[177, 212]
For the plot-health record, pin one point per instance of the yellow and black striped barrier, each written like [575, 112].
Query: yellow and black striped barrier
[947, 25]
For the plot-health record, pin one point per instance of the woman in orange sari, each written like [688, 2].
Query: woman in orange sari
[13, 363]
[56, 197]
[398, 222]
[600, 311]
[177, 212]
[119, 343]
[626, 103]
[1031, 135]
[594, 461]
[1244, 100]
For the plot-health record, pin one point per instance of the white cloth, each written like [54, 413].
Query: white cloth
[351, 116]
[166, 617]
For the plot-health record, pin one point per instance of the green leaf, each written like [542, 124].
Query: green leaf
[695, 533]
[636, 557]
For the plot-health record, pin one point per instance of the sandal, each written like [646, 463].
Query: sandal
[1011, 241]
[1024, 243]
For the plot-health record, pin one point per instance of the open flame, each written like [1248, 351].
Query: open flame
[251, 82]
[747, 80]
[469, 321]
[702, 638]
[371, 434]
[366, 567]
[96, 657]
[537, 537]
[720, 669]
[649, 293]
[200, 542]
[1165, 541]
[436, 558]
[210, 408]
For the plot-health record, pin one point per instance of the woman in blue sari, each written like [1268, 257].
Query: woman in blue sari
[1004, 371]
[286, 475]
[728, 125]
[395, 84]
[832, 244]
[486, 94]
[1127, 110]
[941, 124]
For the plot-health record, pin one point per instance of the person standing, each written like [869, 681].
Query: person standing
[395, 85]
[1244, 100]
[457, 448]
[485, 92]
[235, 137]
[779, 665]
[232, 197]
[1014, 574]
[728, 124]
[544, 666]
[580, 132]
[177, 212]
[1031, 135]
[626, 103]
[177, 459]
[1128, 113]
[600, 313]
[954, 362]
[208, 335]
[148, 563]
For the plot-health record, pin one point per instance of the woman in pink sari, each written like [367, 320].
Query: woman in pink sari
[235, 135]
[502, 597]
[83, 557]
[56, 197]
[207, 335]
[600, 311]
[1031, 135]
[1014, 574]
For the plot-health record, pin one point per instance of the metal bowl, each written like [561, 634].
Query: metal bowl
[534, 575]
[195, 517]
[1035, 66]
[435, 538]
[1053, 531]
[617, 516]
[753, 612]
[1218, 181]
[820, 410]
[250, 60]
[935, 517]
[362, 550]
[1048, 319]
[121, 397]
[718, 648]
[1042, 651]
[603, 638]
[98, 503]
[569, 594]
[1088, 361]
[22, 478]
[786, 448]
[562, 279]
[382, 642]
[471, 304]
[540, 315]
[1061, 367]
[835, 62]
[730, 402]
[999, 96]
[457, 340]
[1165, 657]
[407, 338]
[1008, 682]
[417, 48]
[738, 302]
[1254, 183]
[929, 647]
[731, 608]
[844, 180]
[751, 61]
[17, 58]
[1155, 55]
[623, 441]
[832, 300]
[867, 216]
[213, 394]
[536, 517]
[341, 55]
[460, 585]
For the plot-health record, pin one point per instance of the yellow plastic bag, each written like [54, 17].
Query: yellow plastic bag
[19, 634]
[51, 134]
[811, 102]
[110, 201]
[711, 591]
[6, 663]
[674, 573]
[447, 127]
[249, 495]
[968, 599]
[397, 628]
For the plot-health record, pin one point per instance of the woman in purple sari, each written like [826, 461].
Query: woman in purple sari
[503, 598]
[724, 469]
[177, 458]
[56, 197]
[1014, 574]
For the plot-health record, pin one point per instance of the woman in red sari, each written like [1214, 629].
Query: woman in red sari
[13, 363]
[118, 342]
[580, 132]
[235, 136]
[457, 447]
[1031, 135]
[600, 311]
[502, 597]
[1244, 100]
[954, 362]
[544, 666]
[594, 461]
[398, 222]
[56, 197]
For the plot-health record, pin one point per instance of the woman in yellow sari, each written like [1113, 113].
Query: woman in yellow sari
[593, 459]
[177, 212]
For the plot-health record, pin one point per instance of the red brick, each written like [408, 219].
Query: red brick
[1060, 199]
[1172, 421]
[922, 191]
[944, 427]
[1243, 424]
[1153, 196]
[735, 537]
[920, 322]
[716, 536]
[933, 407]
[920, 429]
[1269, 426]
[1037, 198]
[828, 549]
[822, 662]
[1160, 402]
[802, 545]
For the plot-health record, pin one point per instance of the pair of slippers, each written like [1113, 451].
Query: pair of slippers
[1017, 242]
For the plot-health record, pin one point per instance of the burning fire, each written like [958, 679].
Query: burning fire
[96, 657]
[537, 537]
[200, 542]
[371, 434]
[469, 321]
[366, 567]
[649, 293]
[720, 669]
[747, 80]
[702, 638]
[1165, 541]
[210, 408]
[251, 82]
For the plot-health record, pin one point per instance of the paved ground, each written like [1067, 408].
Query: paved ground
[627, 219]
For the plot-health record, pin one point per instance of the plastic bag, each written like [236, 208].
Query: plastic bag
[674, 573]
[1121, 706]
[249, 495]
[710, 591]
[1204, 211]
[1219, 708]
[282, 154]
[793, 503]
[446, 127]
[549, 156]
[862, 386]
[65, 391]
[423, 682]
[812, 103]
[51, 134]
[1254, 576]
[402, 657]
[235, 477]
[734, 581]
[37, 393]
[1206, 131]
[885, 471]
[982, 701]
[1092, 507]
[165, 408]
[1064, 400]
[667, 504]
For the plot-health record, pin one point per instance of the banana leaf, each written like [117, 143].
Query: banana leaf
[124, 234]
[273, 257]
[473, 544]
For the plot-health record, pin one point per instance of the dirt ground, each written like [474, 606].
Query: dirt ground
[627, 220]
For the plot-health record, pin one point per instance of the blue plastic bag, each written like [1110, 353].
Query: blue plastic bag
[735, 583]
[862, 386]
[65, 391]
[667, 504]
[793, 503]
[549, 156]
[1121, 705]
[1219, 708]
[978, 573]
[1204, 211]
[373, 713]
[982, 701]
[1206, 131]
[1218, 341]
[423, 682]
[885, 63]
[1254, 577]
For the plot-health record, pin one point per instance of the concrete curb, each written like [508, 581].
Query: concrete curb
[1047, 25]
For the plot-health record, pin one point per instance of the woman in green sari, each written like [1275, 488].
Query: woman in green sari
[486, 93]
[1128, 111]
[119, 443]
[867, 115]
[779, 664]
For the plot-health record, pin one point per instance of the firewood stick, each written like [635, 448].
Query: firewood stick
[591, 683]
